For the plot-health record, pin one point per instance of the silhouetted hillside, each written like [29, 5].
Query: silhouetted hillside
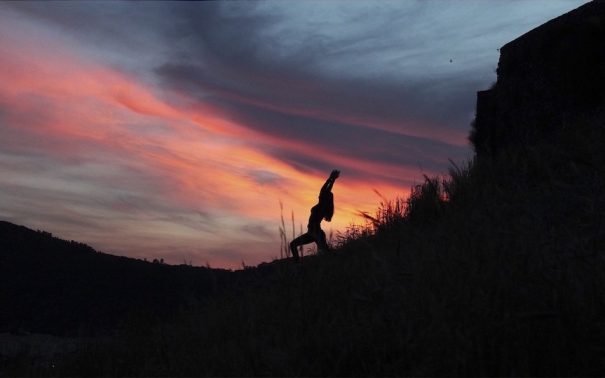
[56, 286]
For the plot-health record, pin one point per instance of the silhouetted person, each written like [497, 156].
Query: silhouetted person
[323, 210]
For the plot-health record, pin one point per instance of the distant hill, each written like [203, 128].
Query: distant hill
[50, 285]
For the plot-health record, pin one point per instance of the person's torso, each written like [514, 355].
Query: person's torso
[316, 215]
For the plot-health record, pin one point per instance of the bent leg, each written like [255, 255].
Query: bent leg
[322, 243]
[301, 240]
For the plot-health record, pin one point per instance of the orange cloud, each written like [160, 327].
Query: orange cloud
[69, 107]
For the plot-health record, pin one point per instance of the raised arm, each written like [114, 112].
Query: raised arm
[330, 181]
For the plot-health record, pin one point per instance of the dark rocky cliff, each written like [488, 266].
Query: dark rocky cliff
[548, 79]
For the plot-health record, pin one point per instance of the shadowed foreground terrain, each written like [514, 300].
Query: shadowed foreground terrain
[494, 269]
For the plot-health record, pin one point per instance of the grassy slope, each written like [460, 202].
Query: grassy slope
[499, 271]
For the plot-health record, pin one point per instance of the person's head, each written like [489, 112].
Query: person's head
[326, 201]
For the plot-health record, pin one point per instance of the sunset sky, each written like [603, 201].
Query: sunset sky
[173, 130]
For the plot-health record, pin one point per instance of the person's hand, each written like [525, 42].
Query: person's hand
[334, 175]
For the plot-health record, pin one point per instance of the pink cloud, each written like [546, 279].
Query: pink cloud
[65, 107]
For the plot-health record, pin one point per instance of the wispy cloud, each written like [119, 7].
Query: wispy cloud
[173, 129]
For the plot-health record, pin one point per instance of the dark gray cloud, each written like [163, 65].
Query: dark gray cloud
[258, 230]
[334, 74]
[265, 177]
[223, 55]
[121, 32]
[357, 143]
[231, 61]
[237, 58]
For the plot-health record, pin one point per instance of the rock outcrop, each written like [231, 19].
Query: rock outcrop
[547, 79]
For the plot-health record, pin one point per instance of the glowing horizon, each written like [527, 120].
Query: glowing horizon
[186, 155]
